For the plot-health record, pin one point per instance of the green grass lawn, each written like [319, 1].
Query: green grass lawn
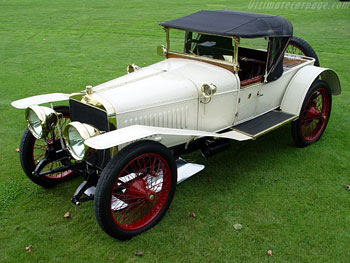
[291, 201]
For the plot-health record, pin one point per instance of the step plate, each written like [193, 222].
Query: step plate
[265, 123]
[185, 170]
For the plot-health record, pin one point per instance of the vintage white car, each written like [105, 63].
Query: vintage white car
[125, 136]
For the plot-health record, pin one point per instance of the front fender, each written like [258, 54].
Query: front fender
[137, 132]
[299, 85]
[39, 99]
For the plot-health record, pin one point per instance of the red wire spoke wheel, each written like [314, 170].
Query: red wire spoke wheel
[144, 195]
[314, 115]
[33, 150]
[135, 189]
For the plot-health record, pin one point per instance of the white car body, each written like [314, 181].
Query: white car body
[168, 95]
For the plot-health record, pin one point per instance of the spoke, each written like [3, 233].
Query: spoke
[131, 205]
[126, 197]
[134, 167]
[137, 211]
[291, 49]
[139, 168]
[144, 164]
[128, 209]
[38, 156]
[159, 166]
[40, 147]
[153, 164]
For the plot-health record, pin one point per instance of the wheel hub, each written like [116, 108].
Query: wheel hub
[151, 197]
[313, 114]
[138, 190]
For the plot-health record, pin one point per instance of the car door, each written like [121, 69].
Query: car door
[271, 93]
[247, 103]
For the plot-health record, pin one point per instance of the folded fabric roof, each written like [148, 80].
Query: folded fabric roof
[233, 23]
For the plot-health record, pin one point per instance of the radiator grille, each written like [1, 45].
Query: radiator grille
[88, 114]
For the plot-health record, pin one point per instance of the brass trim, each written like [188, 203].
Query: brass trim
[108, 109]
[218, 64]
[101, 109]
[77, 96]
[235, 54]
[219, 61]
[161, 50]
[167, 38]
[47, 116]
[247, 134]
[208, 87]
[88, 90]
[132, 68]
[85, 131]
[88, 99]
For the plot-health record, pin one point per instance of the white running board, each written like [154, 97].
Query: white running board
[185, 170]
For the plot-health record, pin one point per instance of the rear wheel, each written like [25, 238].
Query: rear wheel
[299, 46]
[314, 115]
[135, 189]
[32, 151]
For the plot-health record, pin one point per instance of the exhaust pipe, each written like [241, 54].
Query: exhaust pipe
[212, 147]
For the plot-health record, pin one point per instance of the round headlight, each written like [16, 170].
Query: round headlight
[40, 120]
[76, 134]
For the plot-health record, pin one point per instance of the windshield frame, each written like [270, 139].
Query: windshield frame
[235, 40]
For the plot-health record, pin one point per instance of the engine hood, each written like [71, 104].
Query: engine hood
[169, 81]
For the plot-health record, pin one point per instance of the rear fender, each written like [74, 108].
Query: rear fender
[301, 82]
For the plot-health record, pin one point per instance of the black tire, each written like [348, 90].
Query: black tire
[29, 158]
[140, 211]
[299, 46]
[313, 116]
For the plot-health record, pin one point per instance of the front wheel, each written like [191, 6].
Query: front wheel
[32, 151]
[135, 189]
[314, 115]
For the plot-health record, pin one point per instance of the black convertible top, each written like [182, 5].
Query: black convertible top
[233, 23]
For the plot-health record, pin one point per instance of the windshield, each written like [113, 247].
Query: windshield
[255, 56]
[209, 46]
[203, 45]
